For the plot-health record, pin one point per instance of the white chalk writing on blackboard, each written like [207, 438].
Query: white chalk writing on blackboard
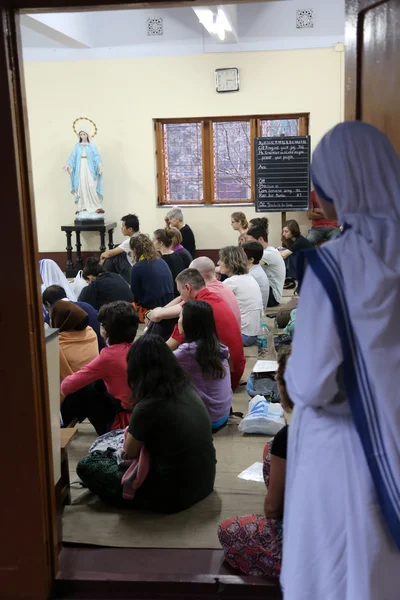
[282, 173]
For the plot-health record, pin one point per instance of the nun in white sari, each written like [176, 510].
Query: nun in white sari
[342, 501]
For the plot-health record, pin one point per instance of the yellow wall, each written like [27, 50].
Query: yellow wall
[123, 96]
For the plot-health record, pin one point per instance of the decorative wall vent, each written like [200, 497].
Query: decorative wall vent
[304, 18]
[155, 26]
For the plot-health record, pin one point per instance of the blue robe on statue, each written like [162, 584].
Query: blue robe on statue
[94, 161]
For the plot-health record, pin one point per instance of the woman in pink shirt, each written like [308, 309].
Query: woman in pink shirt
[99, 391]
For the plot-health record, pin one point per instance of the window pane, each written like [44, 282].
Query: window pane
[232, 163]
[183, 161]
[278, 127]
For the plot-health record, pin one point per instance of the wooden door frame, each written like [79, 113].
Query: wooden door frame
[355, 11]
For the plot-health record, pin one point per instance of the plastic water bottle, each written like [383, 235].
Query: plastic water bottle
[262, 340]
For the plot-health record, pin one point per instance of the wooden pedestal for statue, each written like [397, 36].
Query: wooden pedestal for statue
[101, 227]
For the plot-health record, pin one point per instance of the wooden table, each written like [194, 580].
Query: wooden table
[101, 227]
[67, 435]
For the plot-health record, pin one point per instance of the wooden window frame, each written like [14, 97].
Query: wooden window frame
[208, 152]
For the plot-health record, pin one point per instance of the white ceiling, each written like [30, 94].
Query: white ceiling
[107, 34]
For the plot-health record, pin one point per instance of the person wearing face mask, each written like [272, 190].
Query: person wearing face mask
[100, 391]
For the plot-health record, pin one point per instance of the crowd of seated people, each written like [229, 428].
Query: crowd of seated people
[167, 396]
[181, 373]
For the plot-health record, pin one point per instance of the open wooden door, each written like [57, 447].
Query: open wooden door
[28, 527]
[373, 64]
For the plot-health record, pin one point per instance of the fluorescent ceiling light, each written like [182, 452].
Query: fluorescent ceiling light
[216, 23]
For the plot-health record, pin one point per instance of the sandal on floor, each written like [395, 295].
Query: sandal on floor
[289, 284]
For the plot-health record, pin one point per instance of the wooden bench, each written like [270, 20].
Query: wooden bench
[67, 436]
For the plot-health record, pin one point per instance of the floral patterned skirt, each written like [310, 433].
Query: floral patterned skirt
[253, 544]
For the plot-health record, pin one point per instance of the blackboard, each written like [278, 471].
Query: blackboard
[282, 173]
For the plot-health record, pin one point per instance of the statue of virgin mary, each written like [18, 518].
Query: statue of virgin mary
[85, 168]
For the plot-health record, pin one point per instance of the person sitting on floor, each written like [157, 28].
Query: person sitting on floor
[293, 242]
[151, 280]
[178, 248]
[322, 229]
[51, 274]
[233, 263]
[118, 260]
[207, 268]
[171, 422]
[206, 360]
[78, 343]
[163, 320]
[54, 293]
[174, 218]
[239, 223]
[163, 240]
[99, 391]
[192, 286]
[103, 287]
[254, 253]
[272, 262]
[253, 544]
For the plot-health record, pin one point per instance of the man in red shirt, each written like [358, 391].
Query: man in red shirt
[191, 286]
[322, 229]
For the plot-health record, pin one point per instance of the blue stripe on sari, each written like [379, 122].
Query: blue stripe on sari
[359, 394]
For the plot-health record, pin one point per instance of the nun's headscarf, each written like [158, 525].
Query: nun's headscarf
[67, 316]
[356, 167]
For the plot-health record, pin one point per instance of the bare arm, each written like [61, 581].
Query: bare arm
[173, 344]
[167, 312]
[131, 447]
[273, 505]
[174, 302]
[315, 214]
[285, 253]
[110, 253]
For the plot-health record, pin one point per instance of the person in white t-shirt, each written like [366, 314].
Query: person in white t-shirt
[119, 259]
[254, 252]
[272, 262]
[233, 263]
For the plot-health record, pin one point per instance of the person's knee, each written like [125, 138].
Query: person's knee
[332, 234]
[314, 237]
[82, 467]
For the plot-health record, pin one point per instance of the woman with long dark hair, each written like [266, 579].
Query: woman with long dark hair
[206, 360]
[172, 423]
[293, 242]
